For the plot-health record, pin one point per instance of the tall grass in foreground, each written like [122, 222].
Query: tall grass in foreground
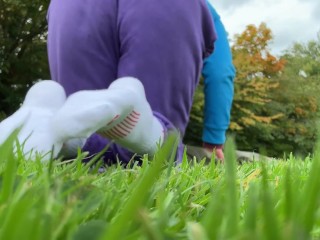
[265, 200]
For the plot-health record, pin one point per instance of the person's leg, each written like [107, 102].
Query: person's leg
[163, 44]
[117, 153]
[120, 113]
[83, 54]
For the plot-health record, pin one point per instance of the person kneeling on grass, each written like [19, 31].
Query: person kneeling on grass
[92, 49]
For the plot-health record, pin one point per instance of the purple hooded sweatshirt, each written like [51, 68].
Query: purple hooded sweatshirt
[161, 42]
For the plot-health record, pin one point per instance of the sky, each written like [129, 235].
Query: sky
[289, 20]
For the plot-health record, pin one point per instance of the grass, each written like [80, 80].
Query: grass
[259, 200]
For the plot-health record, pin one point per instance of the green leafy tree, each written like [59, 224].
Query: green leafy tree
[297, 97]
[23, 56]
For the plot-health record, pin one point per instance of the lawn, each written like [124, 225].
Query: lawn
[158, 200]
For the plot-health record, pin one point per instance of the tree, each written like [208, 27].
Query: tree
[23, 57]
[256, 68]
[298, 98]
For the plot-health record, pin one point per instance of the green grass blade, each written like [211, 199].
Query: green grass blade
[271, 223]
[214, 214]
[289, 198]
[251, 214]
[232, 197]
[310, 196]
[9, 173]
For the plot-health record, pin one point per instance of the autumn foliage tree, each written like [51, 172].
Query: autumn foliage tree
[285, 120]
[256, 67]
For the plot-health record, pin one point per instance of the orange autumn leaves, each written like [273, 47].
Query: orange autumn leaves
[255, 68]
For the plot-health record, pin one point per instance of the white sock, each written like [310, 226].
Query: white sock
[120, 113]
[35, 115]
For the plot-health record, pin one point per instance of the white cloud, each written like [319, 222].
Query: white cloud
[290, 20]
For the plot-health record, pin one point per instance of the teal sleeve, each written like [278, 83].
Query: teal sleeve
[218, 72]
